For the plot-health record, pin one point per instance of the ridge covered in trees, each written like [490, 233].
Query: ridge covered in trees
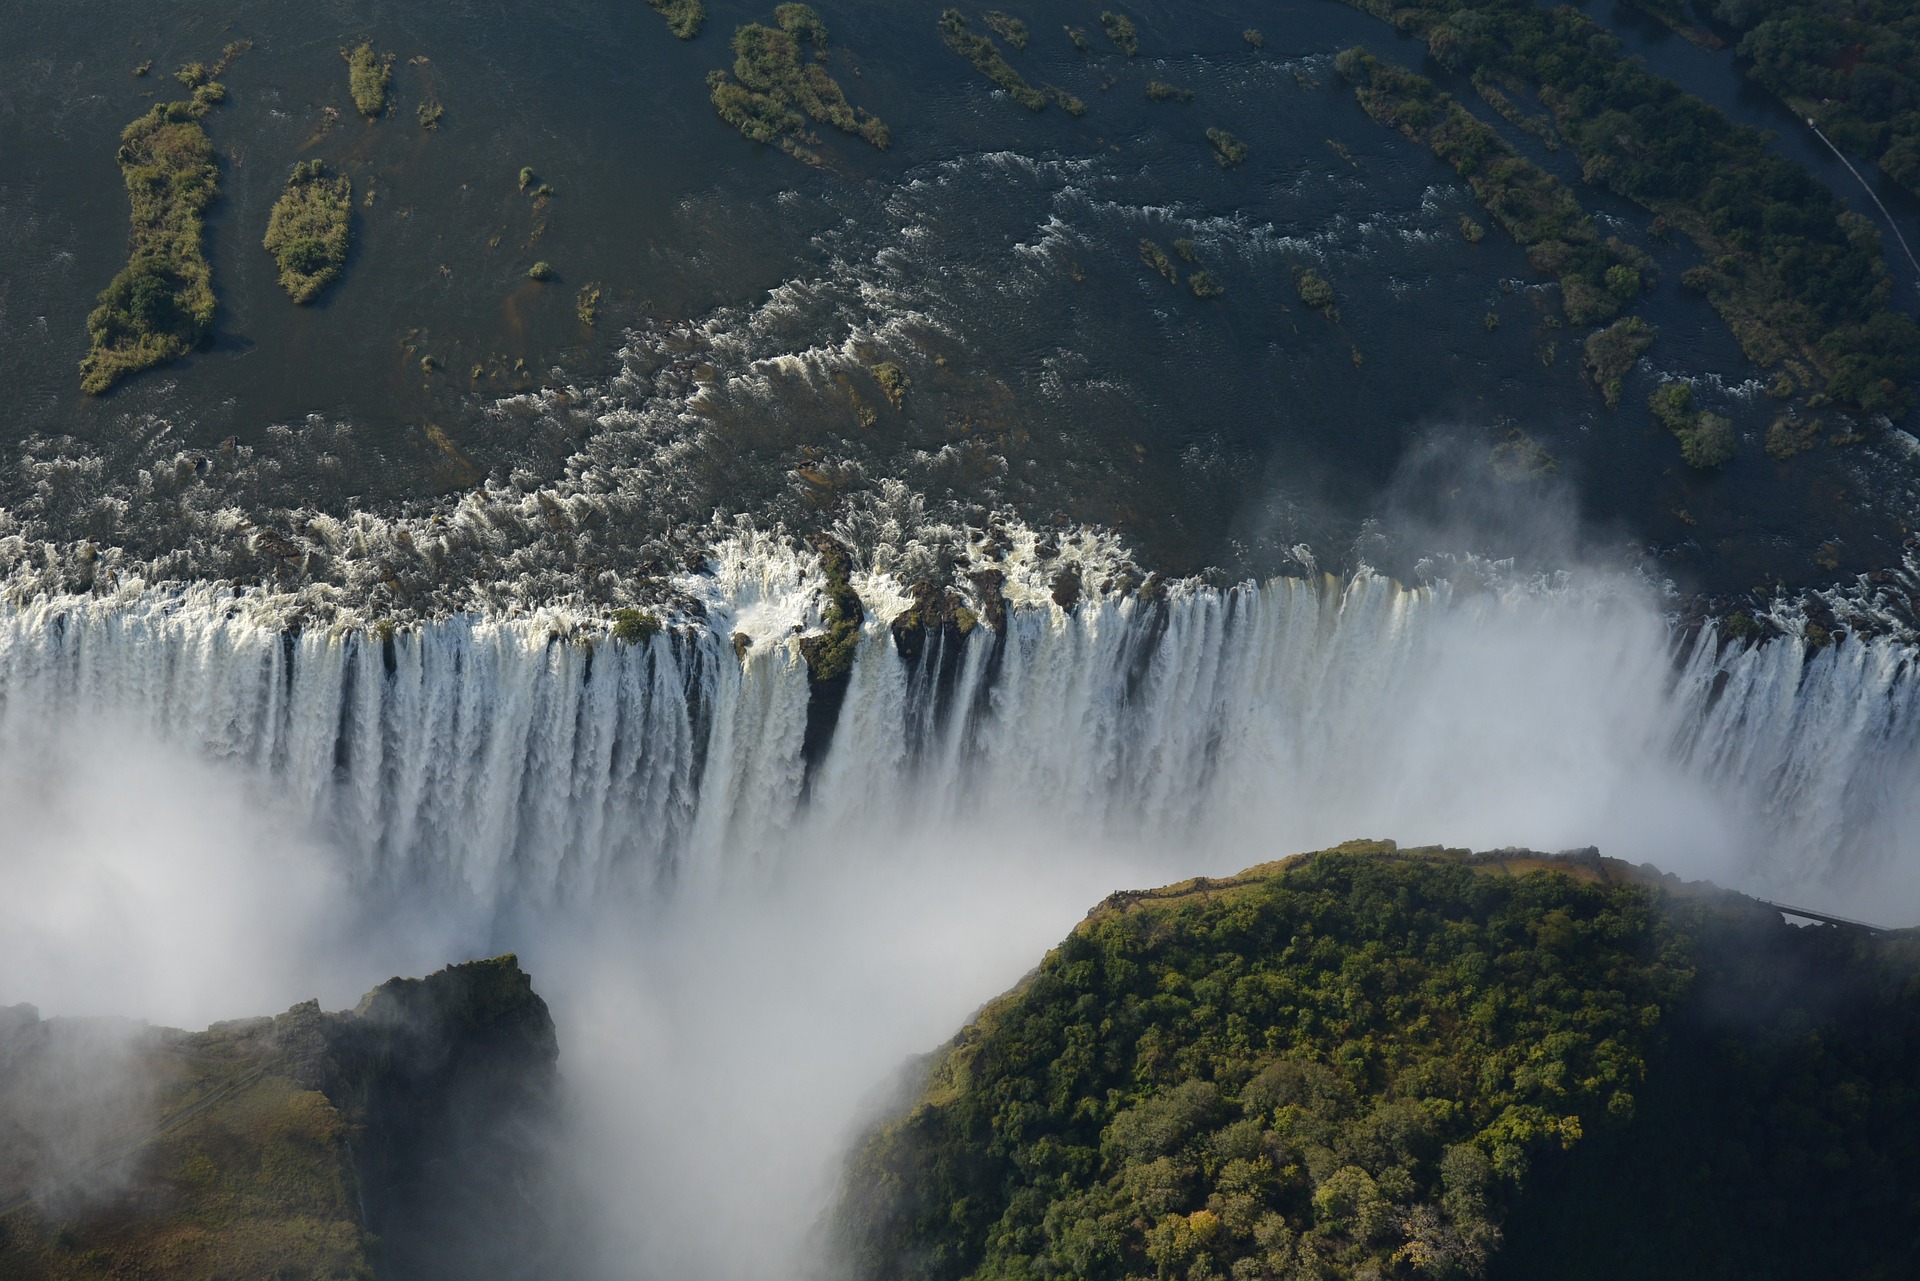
[1359, 1063]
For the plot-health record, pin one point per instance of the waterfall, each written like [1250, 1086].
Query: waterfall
[529, 760]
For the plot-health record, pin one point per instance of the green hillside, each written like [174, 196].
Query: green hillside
[1373, 1063]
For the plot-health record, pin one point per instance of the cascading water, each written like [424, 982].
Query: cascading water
[528, 761]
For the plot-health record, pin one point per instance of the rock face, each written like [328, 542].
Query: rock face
[1376, 1063]
[404, 1139]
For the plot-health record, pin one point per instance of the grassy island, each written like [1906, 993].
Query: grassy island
[1421, 1064]
[1119, 29]
[368, 75]
[988, 60]
[1793, 273]
[1161, 91]
[1613, 351]
[161, 304]
[1598, 276]
[1227, 149]
[1706, 440]
[309, 229]
[683, 16]
[829, 655]
[775, 90]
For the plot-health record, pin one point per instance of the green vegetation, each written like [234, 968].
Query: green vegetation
[1788, 436]
[1853, 68]
[1706, 440]
[1119, 29]
[1613, 351]
[309, 230]
[1187, 250]
[1227, 149]
[1078, 35]
[1521, 458]
[1472, 232]
[1253, 38]
[1161, 91]
[277, 1147]
[1366, 1062]
[829, 656]
[367, 77]
[683, 16]
[1009, 29]
[1597, 276]
[777, 89]
[1338, 1068]
[634, 626]
[1156, 257]
[586, 304]
[893, 382]
[1204, 285]
[542, 271]
[161, 304]
[988, 60]
[1790, 270]
[429, 113]
[1314, 290]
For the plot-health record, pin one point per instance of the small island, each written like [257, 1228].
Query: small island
[309, 230]
[160, 306]
[775, 90]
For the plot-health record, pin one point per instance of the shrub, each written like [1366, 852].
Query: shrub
[540, 271]
[1119, 29]
[683, 16]
[1227, 149]
[1314, 290]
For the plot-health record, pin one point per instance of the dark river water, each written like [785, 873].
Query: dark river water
[992, 253]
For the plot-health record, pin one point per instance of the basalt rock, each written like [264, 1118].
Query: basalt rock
[403, 1139]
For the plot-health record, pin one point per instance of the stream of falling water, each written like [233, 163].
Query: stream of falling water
[508, 762]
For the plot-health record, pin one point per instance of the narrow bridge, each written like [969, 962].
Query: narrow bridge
[1825, 918]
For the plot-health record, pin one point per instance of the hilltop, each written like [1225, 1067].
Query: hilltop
[1373, 1062]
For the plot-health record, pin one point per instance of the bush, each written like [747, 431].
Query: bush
[542, 271]
[683, 16]
[1227, 149]
[1119, 29]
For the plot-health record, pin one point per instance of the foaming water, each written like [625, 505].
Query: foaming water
[537, 761]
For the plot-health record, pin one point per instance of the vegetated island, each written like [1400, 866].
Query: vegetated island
[1854, 69]
[308, 1146]
[368, 75]
[309, 231]
[990, 62]
[160, 306]
[1798, 278]
[683, 16]
[1598, 276]
[775, 90]
[1372, 1063]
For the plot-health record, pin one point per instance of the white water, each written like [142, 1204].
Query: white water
[508, 763]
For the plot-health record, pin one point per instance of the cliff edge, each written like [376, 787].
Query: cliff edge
[1370, 1062]
[398, 1140]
